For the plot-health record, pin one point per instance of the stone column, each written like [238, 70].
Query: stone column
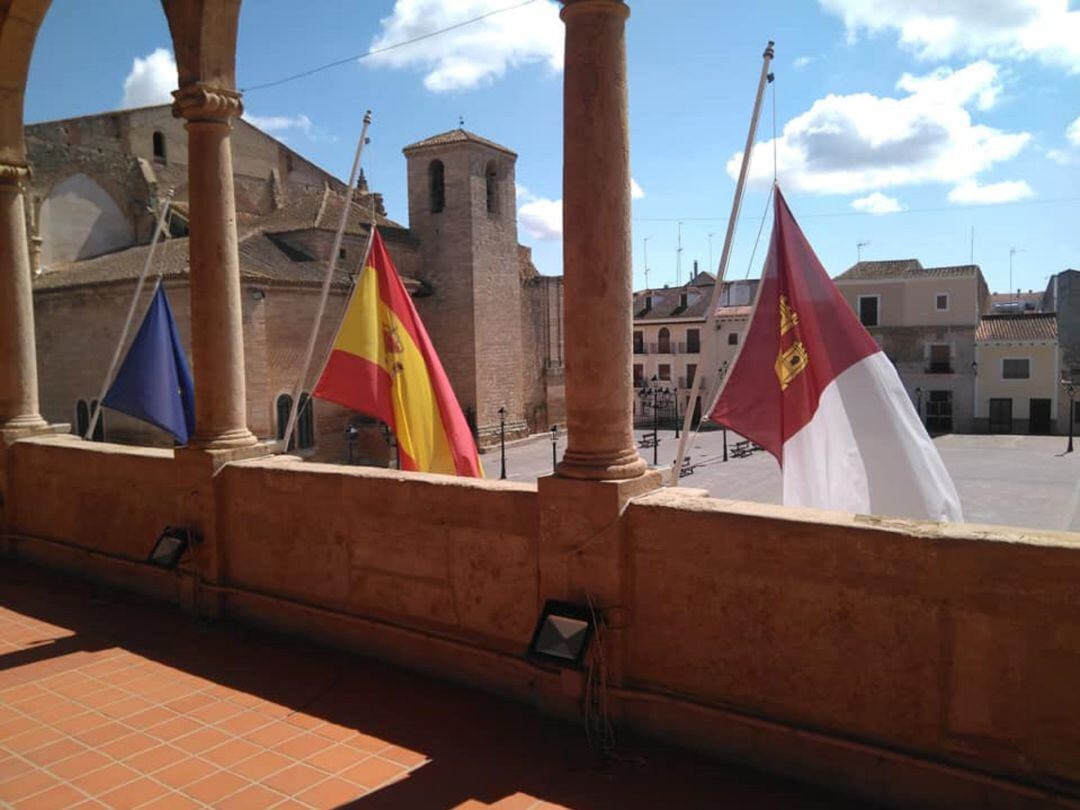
[18, 355]
[597, 268]
[217, 337]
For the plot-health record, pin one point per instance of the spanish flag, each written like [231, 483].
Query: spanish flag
[383, 364]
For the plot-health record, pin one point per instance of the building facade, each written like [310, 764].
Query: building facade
[1017, 387]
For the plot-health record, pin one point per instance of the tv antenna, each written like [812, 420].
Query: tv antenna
[858, 248]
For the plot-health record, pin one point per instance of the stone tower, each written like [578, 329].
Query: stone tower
[462, 207]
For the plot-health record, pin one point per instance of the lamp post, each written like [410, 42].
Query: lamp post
[1070, 390]
[723, 373]
[350, 439]
[502, 443]
[675, 394]
[554, 446]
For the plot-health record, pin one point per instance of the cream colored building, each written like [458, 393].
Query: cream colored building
[1017, 389]
[924, 319]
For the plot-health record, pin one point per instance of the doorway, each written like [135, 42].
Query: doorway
[1039, 416]
[1001, 416]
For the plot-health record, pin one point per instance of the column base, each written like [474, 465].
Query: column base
[590, 467]
[240, 437]
[24, 427]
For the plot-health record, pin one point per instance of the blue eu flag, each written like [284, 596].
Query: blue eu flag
[154, 383]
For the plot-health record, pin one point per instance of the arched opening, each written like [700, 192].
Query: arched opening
[664, 341]
[159, 147]
[491, 177]
[437, 186]
[304, 435]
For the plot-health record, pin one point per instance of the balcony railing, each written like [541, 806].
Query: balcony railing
[673, 347]
[939, 368]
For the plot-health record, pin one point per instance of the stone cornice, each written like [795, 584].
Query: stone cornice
[14, 173]
[199, 102]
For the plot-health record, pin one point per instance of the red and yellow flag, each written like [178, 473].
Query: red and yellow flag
[383, 364]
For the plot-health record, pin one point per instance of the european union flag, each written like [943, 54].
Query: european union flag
[154, 383]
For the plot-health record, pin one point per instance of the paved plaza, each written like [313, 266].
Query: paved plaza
[1026, 481]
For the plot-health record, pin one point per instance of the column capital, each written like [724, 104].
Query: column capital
[573, 7]
[200, 102]
[14, 174]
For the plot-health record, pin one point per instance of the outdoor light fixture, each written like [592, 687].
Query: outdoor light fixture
[562, 634]
[170, 547]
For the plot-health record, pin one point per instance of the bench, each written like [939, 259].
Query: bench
[647, 441]
[687, 468]
[742, 449]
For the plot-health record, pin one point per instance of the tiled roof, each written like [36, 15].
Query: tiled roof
[1034, 326]
[905, 268]
[734, 312]
[457, 136]
[667, 303]
[314, 208]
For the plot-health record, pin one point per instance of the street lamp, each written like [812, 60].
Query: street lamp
[654, 389]
[350, 439]
[675, 394]
[1070, 390]
[502, 443]
[554, 444]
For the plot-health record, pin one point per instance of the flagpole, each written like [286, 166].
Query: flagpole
[331, 265]
[158, 228]
[725, 255]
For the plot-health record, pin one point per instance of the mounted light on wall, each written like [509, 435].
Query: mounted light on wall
[562, 634]
[170, 547]
[258, 295]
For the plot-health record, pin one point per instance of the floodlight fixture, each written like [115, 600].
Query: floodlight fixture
[562, 634]
[170, 547]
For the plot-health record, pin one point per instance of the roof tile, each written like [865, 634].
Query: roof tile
[1032, 326]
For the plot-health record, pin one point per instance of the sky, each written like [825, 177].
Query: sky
[941, 130]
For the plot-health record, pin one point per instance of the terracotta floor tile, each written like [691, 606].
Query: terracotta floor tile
[154, 759]
[261, 765]
[197, 741]
[174, 728]
[133, 794]
[186, 704]
[150, 717]
[90, 804]
[59, 710]
[15, 727]
[78, 723]
[54, 752]
[409, 759]
[367, 743]
[373, 772]
[185, 772]
[244, 722]
[519, 801]
[172, 801]
[18, 694]
[332, 731]
[79, 764]
[102, 697]
[294, 780]
[215, 787]
[26, 785]
[104, 779]
[103, 734]
[273, 734]
[60, 797]
[231, 752]
[304, 721]
[126, 707]
[253, 797]
[10, 767]
[129, 746]
[34, 706]
[303, 746]
[336, 758]
[331, 793]
[215, 711]
[34, 738]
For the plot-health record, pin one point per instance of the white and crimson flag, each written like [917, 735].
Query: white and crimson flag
[813, 388]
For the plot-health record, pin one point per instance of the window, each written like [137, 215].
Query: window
[437, 186]
[159, 147]
[868, 309]
[304, 434]
[639, 342]
[733, 339]
[1015, 368]
[940, 359]
[682, 300]
[491, 177]
[665, 371]
[664, 340]
[639, 375]
[939, 407]
[691, 373]
[1001, 416]
[693, 341]
[941, 302]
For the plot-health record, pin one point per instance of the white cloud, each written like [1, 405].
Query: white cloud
[636, 191]
[541, 218]
[280, 123]
[877, 203]
[1063, 157]
[802, 61]
[971, 193]
[151, 80]
[475, 54]
[1046, 30]
[858, 143]
[1073, 132]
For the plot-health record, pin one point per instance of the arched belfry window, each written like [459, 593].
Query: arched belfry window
[437, 183]
[491, 176]
[159, 147]
[304, 435]
[664, 340]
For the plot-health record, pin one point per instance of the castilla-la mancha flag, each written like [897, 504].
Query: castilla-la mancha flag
[383, 364]
[812, 387]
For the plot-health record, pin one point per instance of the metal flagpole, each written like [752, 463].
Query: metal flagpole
[131, 312]
[725, 255]
[331, 265]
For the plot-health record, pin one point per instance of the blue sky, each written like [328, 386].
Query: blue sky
[927, 111]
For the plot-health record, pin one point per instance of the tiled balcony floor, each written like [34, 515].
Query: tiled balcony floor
[108, 701]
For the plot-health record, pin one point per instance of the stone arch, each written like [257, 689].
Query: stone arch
[491, 185]
[80, 219]
[19, 24]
